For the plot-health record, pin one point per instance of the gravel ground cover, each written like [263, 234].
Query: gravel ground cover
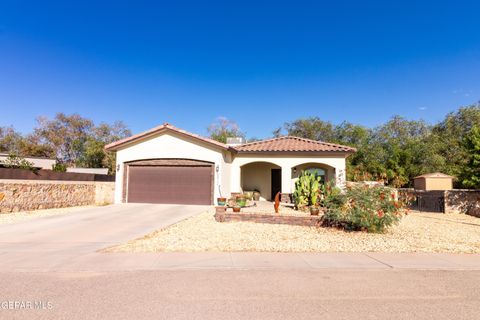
[417, 232]
[15, 217]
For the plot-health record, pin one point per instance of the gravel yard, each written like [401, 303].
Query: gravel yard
[417, 232]
[15, 217]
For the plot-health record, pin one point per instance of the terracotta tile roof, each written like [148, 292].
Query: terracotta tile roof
[292, 144]
[434, 175]
[164, 127]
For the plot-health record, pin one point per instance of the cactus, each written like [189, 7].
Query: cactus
[307, 189]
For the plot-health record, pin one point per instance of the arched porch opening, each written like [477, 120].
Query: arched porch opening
[325, 171]
[266, 177]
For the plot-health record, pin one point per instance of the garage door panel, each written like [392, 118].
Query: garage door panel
[170, 184]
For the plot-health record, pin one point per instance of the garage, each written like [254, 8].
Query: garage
[170, 181]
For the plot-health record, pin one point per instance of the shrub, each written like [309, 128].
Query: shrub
[363, 208]
[59, 167]
[15, 161]
[329, 194]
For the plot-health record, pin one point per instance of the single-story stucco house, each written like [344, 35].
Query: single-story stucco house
[170, 165]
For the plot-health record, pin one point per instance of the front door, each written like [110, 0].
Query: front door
[276, 182]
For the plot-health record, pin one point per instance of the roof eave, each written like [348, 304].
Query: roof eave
[115, 146]
[296, 151]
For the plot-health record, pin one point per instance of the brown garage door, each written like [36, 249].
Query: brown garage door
[170, 184]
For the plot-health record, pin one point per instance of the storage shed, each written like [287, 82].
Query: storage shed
[433, 181]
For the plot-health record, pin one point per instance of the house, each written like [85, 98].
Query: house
[37, 162]
[170, 165]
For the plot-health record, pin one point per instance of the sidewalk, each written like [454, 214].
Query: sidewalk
[104, 262]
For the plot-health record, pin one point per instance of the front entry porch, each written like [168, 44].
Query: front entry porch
[270, 178]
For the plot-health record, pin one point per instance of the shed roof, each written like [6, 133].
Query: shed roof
[434, 175]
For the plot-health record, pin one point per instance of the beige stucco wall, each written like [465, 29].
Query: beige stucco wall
[439, 184]
[433, 183]
[172, 145]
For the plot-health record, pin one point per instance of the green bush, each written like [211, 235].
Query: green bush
[17, 162]
[59, 167]
[363, 208]
[329, 194]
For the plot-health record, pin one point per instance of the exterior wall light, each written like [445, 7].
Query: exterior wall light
[118, 167]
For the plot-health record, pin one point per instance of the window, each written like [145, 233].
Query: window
[319, 171]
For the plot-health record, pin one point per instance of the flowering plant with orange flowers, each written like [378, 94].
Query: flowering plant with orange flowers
[365, 208]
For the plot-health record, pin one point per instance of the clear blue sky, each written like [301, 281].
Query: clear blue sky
[260, 63]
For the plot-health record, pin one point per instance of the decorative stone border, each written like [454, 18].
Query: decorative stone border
[221, 215]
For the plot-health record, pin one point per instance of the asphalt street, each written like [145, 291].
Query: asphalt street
[242, 294]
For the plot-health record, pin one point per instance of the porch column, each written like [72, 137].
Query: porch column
[235, 180]
[340, 177]
[286, 179]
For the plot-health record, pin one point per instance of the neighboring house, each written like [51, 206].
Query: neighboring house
[170, 165]
[37, 162]
[88, 170]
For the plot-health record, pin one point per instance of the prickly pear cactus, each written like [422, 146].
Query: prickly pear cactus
[307, 189]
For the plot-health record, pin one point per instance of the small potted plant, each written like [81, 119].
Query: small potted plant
[241, 201]
[221, 201]
[256, 195]
[314, 207]
[236, 208]
[248, 195]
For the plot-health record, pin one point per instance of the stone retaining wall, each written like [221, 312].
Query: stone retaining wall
[463, 201]
[20, 195]
[221, 215]
[448, 201]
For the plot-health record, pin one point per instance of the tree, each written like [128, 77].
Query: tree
[404, 151]
[471, 174]
[394, 152]
[10, 140]
[223, 129]
[66, 134]
[94, 155]
[449, 135]
[310, 128]
[13, 142]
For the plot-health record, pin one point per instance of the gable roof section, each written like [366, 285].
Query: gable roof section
[434, 175]
[292, 144]
[163, 128]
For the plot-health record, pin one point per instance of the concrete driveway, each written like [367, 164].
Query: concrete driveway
[50, 240]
